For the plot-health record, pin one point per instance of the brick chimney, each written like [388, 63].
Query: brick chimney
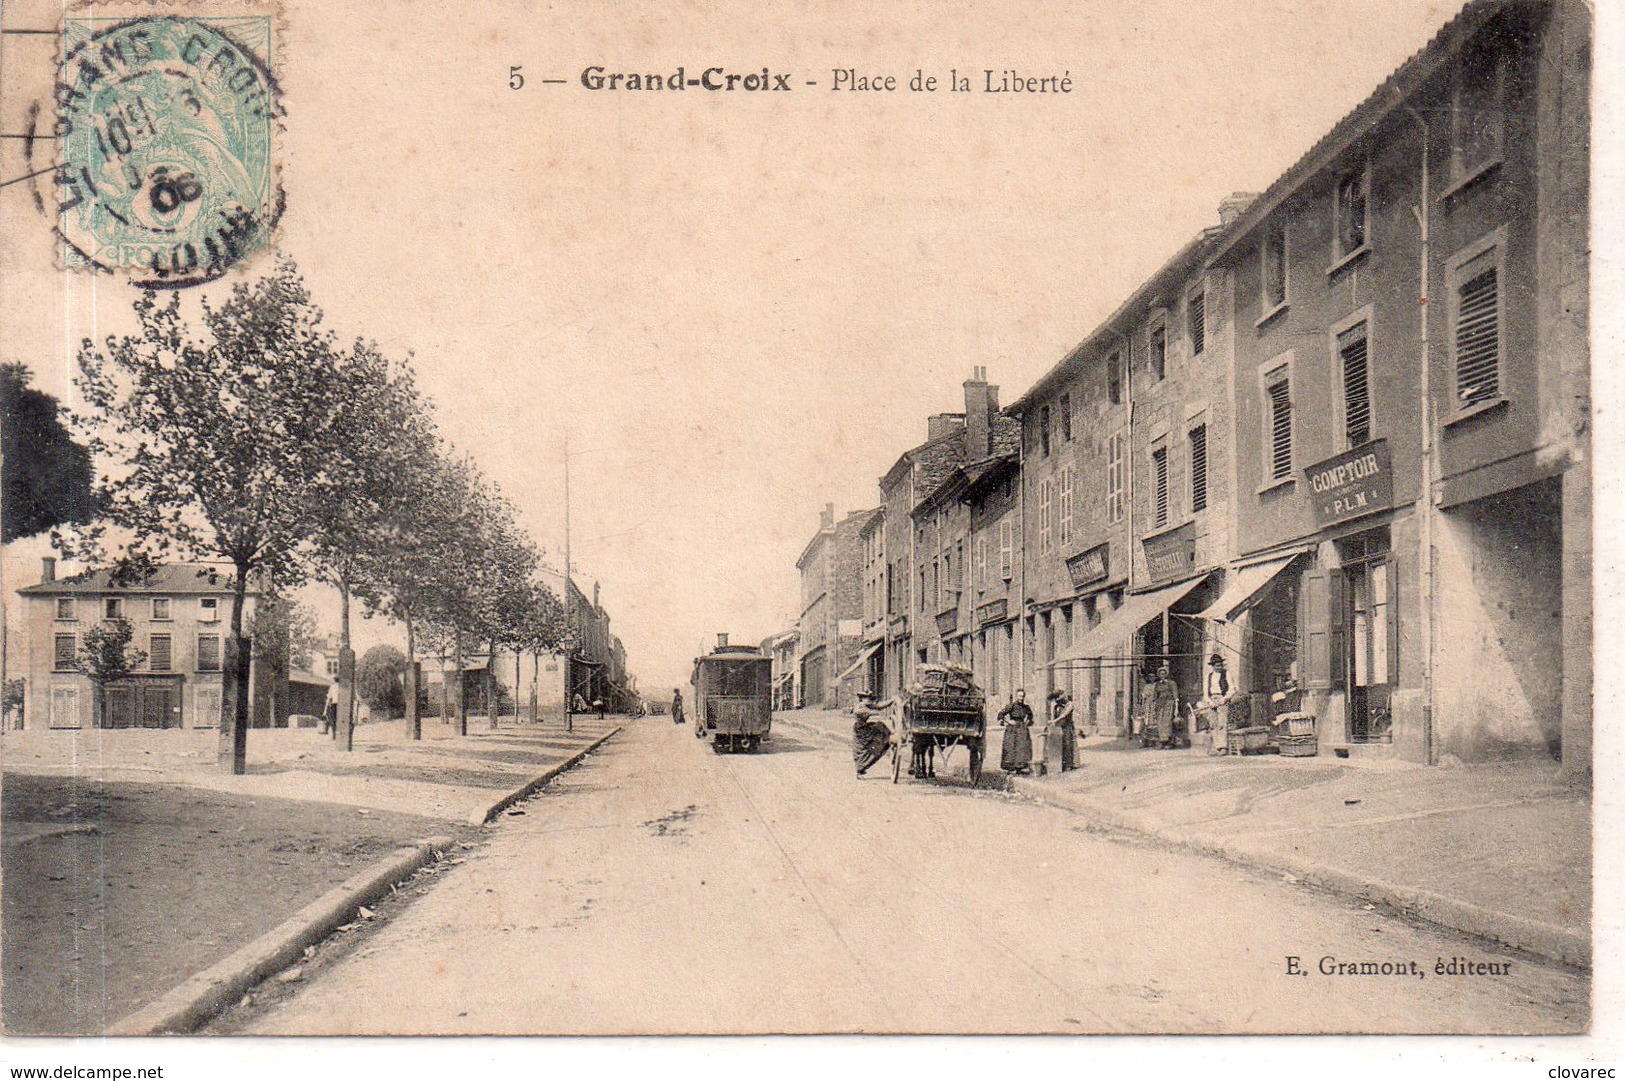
[826, 517]
[722, 640]
[1235, 206]
[47, 573]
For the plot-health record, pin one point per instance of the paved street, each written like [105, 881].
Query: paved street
[661, 888]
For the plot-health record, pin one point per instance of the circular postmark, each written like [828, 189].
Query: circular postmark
[165, 134]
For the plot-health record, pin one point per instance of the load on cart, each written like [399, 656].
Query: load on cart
[942, 709]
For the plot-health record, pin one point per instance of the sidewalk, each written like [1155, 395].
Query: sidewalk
[130, 862]
[1502, 851]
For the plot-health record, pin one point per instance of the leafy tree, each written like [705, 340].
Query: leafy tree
[47, 477]
[283, 633]
[378, 679]
[220, 442]
[105, 656]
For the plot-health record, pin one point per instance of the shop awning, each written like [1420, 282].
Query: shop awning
[1138, 609]
[863, 658]
[1246, 586]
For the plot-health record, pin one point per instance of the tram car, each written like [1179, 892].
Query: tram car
[733, 697]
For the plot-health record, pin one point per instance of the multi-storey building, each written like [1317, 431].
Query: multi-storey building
[782, 649]
[1412, 387]
[925, 556]
[831, 622]
[180, 621]
[877, 602]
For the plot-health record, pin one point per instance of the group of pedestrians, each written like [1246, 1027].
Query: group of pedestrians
[871, 735]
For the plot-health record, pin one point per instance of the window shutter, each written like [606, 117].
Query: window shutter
[1314, 663]
[1280, 430]
[1337, 630]
[1198, 323]
[1393, 623]
[1198, 439]
[1478, 340]
[1352, 349]
[1159, 465]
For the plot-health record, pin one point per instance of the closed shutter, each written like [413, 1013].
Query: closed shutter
[1315, 660]
[64, 649]
[65, 707]
[208, 653]
[161, 653]
[1478, 339]
[1198, 323]
[1352, 350]
[206, 707]
[1159, 468]
[1337, 661]
[1198, 439]
[1280, 430]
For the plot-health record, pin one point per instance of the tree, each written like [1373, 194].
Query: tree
[378, 679]
[379, 432]
[283, 633]
[46, 477]
[105, 656]
[218, 443]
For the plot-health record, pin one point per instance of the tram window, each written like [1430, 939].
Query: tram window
[741, 678]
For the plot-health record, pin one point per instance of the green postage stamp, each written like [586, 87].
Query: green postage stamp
[166, 127]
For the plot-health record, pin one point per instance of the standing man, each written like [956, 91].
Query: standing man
[1216, 704]
[676, 706]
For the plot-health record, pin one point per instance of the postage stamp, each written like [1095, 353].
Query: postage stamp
[166, 131]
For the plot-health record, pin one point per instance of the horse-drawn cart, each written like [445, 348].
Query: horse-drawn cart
[943, 709]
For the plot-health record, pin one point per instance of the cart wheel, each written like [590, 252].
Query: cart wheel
[720, 746]
[976, 763]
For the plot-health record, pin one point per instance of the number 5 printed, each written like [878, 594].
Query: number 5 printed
[515, 80]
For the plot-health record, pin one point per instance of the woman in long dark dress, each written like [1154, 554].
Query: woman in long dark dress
[1016, 754]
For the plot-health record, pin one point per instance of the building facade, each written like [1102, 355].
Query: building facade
[180, 618]
[831, 622]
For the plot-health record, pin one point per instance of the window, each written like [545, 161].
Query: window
[1352, 355]
[160, 653]
[63, 653]
[1196, 321]
[1198, 442]
[65, 610]
[957, 579]
[922, 588]
[160, 608]
[1475, 317]
[209, 610]
[1115, 480]
[1046, 516]
[1349, 210]
[1114, 378]
[1159, 482]
[206, 707]
[1278, 391]
[1478, 110]
[1159, 353]
[1043, 430]
[208, 653]
[981, 561]
[1066, 418]
[112, 608]
[1064, 497]
[64, 707]
[1007, 549]
[1273, 271]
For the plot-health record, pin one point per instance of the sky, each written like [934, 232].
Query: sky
[735, 307]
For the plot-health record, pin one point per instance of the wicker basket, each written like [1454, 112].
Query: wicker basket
[1299, 746]
[1295, 724]
[1248, 740]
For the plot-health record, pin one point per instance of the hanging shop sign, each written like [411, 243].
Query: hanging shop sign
[1171, 555]
[1087, 568]
[1354, 483]
[991, 612]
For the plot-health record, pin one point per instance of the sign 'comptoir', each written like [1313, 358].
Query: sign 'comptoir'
[1355, 483]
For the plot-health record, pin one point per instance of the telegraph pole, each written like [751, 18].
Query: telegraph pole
[569, 620]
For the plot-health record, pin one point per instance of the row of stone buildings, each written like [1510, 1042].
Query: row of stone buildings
[1342, 439]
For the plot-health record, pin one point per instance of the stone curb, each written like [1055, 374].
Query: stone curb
[200, 998]
[481, 815]
[1545, 940]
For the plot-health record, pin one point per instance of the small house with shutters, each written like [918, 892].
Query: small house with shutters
[180, 617]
